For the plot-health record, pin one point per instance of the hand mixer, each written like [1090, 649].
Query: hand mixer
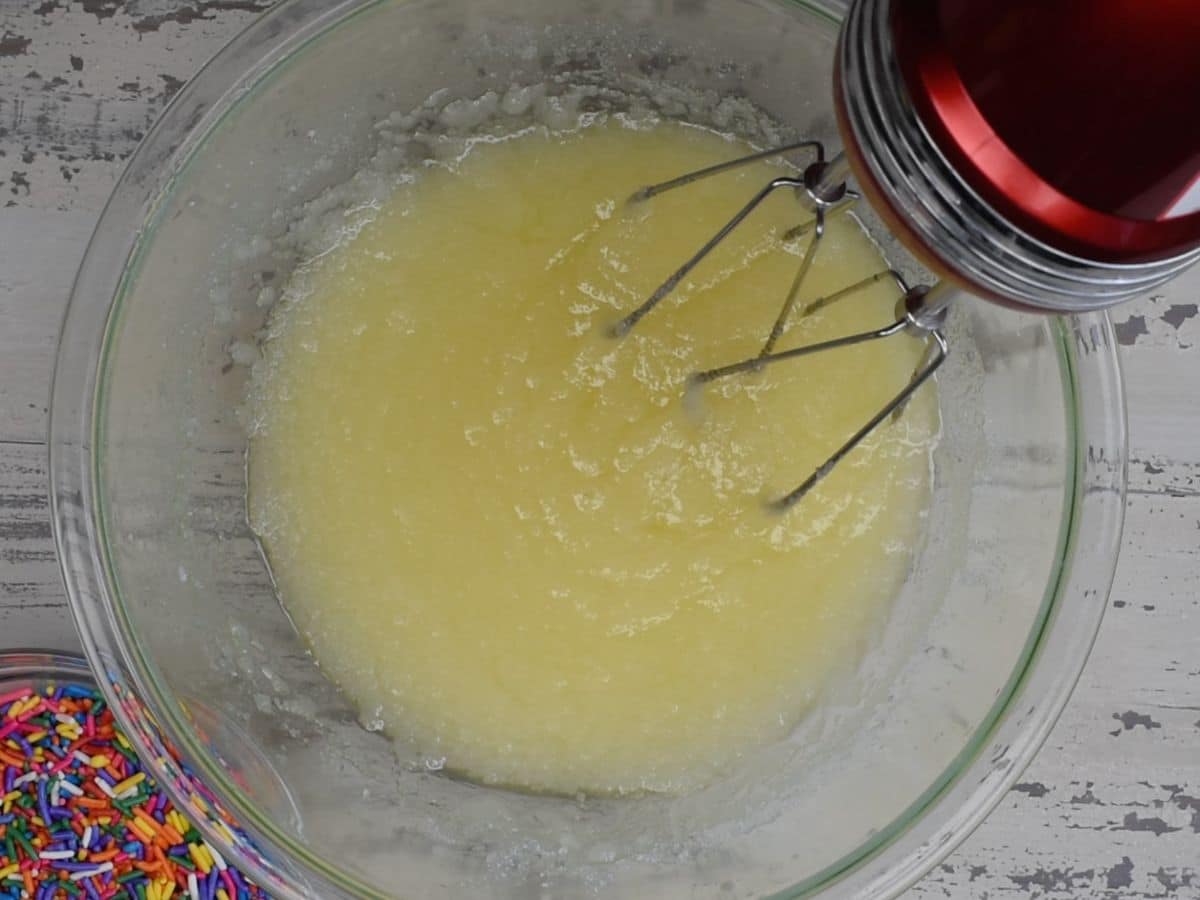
[1043, 154]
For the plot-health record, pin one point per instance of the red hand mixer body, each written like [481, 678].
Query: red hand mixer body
[1073, 122]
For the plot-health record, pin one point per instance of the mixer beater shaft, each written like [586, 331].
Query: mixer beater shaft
[920, 312]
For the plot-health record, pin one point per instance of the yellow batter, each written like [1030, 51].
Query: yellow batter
[500, 530]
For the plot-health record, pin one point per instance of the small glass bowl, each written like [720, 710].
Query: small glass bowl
[34, 669]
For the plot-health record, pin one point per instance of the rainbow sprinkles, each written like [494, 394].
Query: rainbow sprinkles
[79, 817]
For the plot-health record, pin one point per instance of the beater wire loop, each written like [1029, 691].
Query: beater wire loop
[940, 350]
[793, 293]
[625, 325]
[829, 299]
[758, 363]
[691, 177]
[836, 209]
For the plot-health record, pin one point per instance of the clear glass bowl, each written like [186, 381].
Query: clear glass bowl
[175, 604]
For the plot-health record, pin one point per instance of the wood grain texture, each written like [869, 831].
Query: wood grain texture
[1111, 806]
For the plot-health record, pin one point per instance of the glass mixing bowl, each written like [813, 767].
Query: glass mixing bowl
[175, 603]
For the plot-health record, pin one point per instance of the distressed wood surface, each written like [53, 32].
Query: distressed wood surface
[1111, 806]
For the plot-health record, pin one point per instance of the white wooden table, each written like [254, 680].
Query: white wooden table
[1111, 806]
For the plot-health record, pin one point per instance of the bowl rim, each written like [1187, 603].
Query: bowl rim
[918, 838]
[39, 664]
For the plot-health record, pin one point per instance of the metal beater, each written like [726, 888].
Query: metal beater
[920, 312]
[1044, 155]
